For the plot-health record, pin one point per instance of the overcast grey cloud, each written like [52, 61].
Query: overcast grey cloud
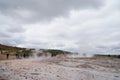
[84, 26]
[10, 31]
[34, 10]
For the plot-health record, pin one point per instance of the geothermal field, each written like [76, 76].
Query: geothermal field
[61, 68]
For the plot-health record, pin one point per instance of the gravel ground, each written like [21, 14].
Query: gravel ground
[60, 69]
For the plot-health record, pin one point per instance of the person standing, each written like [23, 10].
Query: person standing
[24, 55]
[17, 55]
[7, 55]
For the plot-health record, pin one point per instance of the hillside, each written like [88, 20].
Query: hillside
[4, 49]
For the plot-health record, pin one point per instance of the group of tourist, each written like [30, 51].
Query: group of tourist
[18, 55]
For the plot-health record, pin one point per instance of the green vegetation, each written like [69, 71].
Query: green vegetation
[56, 52]
[26, 52]
[13, 51]
[103, 55]
[23, 52]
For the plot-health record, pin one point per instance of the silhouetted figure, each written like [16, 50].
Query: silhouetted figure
[17, 55]
[7, 55]
[118, 56]
[24, 55]
[1, 51]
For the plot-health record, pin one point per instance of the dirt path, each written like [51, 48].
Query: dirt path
[60, 69]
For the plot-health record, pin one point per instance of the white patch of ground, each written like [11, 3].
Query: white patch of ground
[60, 69]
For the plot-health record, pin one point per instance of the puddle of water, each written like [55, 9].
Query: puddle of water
[34, 73]
[4, 72]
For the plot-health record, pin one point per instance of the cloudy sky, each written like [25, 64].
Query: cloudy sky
[84, 26]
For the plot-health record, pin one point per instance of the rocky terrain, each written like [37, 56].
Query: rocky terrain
[61, 69]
